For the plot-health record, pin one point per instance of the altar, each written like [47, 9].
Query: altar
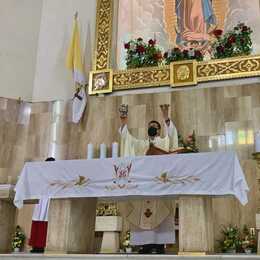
[75, 185]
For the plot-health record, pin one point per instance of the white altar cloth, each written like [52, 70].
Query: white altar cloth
[212, 174]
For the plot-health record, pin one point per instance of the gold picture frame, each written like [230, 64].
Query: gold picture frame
[183, 73]
[100, 82]
[221, 69]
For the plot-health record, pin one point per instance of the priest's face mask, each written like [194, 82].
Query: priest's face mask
[154, 129]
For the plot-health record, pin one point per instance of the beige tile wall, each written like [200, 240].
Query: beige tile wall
[223, 118]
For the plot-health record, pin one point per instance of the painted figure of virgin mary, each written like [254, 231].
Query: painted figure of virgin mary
[195, 19]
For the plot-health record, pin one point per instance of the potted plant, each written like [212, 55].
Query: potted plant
[18, 239]
[188, 145]
[126, 243]
[248, 240]
[231, 241]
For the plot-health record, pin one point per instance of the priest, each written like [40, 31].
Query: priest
[151, 220]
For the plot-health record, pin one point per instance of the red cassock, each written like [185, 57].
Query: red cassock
[40, 224]
[38, 234]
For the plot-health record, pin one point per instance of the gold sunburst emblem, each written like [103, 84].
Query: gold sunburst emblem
[183, 73]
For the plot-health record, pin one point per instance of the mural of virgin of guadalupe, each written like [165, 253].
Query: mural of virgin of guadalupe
[195, 19]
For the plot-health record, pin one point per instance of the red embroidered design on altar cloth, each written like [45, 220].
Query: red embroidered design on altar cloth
[122, 179]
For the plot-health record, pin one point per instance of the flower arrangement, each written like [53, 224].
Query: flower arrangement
[177, 54]
[249, 240]
[231, 239]
[18, 238]
[142, 54]
[107, 209]
[126, 242]
[236, 42]
[189, 145]
[236, 241]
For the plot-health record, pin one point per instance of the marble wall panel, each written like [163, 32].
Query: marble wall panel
[223, 118]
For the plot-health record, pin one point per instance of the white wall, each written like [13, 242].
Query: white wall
[52, 80]
[19, 28]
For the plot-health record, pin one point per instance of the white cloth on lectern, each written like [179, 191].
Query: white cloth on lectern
[41, 210]
[163, 234]
[78, 106]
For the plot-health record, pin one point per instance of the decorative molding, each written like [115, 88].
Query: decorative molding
[140, 78]
[104, 22]
[237, 67]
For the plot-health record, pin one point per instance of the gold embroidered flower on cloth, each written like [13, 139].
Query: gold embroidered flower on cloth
[80, 181]
[165, 178]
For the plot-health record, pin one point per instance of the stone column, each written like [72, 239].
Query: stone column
[7, 222]
[195, 225]
[71, 227]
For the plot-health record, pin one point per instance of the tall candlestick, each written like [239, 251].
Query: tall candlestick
[90, 151]
[257, 141]
[115, 150]
[103, 151]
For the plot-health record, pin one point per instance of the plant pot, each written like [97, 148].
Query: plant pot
[231, 251]
[16, 250]
[128, 250]
[248, 251]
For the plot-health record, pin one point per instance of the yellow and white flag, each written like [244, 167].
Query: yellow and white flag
[74, 57]
[75, 64]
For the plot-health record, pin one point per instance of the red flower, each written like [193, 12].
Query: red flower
[127, 45]
[140, 49]
[185, 52]
[140, 39]
[220, 49]
[231, 39]
[165, 55]
[197, 54]
[244, 28]
[176, 50]
[159, 55]
[217, 33]
[152, 42]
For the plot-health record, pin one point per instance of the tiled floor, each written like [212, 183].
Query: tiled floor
[124, 257]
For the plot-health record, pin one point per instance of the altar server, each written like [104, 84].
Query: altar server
[40, 223]
[152, 220]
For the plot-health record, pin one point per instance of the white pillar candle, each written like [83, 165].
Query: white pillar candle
[257, 141]
[90, 151]
[103, 151]
[115, 150]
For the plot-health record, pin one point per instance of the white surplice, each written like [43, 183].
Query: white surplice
[149, 223]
